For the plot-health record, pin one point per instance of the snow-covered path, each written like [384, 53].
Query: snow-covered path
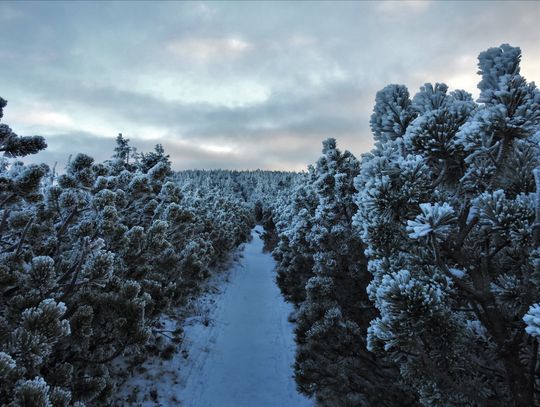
[249, 355]
[237, 349]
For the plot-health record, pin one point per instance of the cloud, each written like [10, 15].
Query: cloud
[60, 147]
[8, 13]
[236, 84]
[43, 118]
[208, 50]
[398, 7]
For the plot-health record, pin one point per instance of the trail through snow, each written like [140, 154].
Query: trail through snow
[237, 349]
[251, 349]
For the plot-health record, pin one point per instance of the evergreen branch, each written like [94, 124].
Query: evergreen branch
[439, 263]
[441, 176]
[8, 198]
[25, 231]
[465, 232]
[532, 367]
[155, 331]
[503, 150]
[536, 226]
[108, 359]
[57, 207]
[3, 222]
[66, 223]
[498, 249]
[76, 271]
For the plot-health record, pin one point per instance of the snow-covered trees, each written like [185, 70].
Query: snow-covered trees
[293, 251]
[90, 259]
[322, 269]
[415, 273]
[447, 214]
[13, 145]
[328, 333]
[447, 209]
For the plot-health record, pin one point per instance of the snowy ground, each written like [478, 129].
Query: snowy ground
[238, 346]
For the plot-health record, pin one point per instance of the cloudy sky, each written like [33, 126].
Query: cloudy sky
[236, 84]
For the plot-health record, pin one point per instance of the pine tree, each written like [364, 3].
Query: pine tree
[332, 361]
[294, 253]
[446, 209]
[146, 161]
[89, 260]
[13, 145]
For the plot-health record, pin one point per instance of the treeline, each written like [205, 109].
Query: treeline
[260, 189]
[255, 187]
[415, 269]
[90, 259]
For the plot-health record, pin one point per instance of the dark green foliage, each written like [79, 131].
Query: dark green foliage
[145, 161]
[90, 260]
[322, 269]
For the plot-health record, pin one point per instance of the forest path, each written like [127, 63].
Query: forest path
[249, 355]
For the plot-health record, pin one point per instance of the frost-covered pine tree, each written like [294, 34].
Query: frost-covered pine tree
[146, 161]
[447, 203]
[294, 253]
[332, 361]
[12, 145]
[89, 260]
[123, 150]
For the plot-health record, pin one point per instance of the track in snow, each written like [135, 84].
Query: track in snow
[250, 350]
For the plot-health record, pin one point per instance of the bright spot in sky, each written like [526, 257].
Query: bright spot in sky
[196, 90]
[219, 149]
[208, 50]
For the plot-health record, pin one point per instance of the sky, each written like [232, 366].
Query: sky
[238, 85]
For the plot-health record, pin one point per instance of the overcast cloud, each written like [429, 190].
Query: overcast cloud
[236, 85]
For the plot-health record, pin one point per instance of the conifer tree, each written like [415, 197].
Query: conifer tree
[294, 253]
[447, 207]
[89, 261]
[332, 361]
[13, 145]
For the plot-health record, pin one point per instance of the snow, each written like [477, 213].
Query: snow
[433, 219]
[456, 272]
[238, 347]
[250, 360]
[532, 319]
